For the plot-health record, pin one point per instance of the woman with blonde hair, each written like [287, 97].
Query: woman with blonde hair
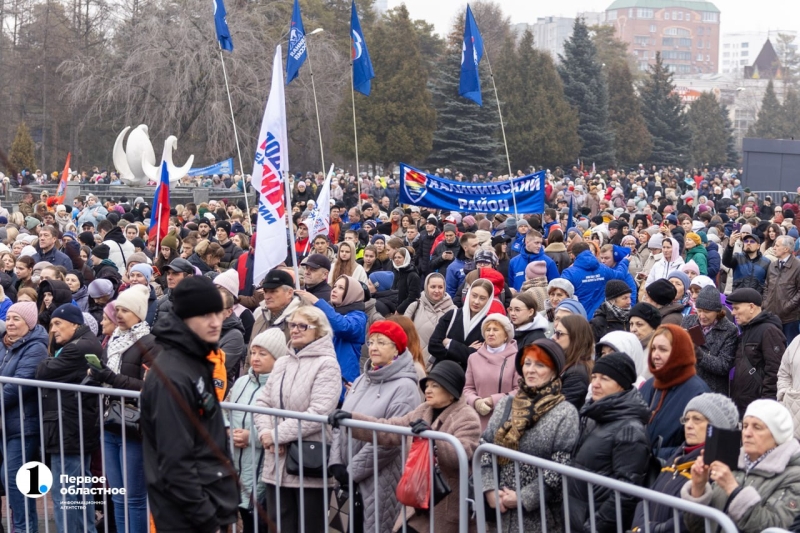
[206, 256]
[306, 380]
[345, 265]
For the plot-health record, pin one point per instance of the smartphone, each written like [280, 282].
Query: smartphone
[722, 445]
[93, 360]
[737, 227]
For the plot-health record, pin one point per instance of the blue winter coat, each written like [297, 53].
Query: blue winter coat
[4, 305]
[667, 421]
[454, 276]
[21, 361]
[516, 268]
[518, 244]
[714, 260]
[349, 335]
[589, 276]
[620, 253]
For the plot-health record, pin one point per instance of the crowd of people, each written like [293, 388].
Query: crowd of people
[606, 333]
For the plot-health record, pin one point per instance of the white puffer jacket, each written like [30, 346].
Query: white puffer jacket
[789, 382]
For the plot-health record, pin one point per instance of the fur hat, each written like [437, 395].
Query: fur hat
[504, 322]
[662, 292]
[563, 284]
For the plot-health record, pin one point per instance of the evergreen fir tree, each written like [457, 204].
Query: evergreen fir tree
[541, 125]
[663, 114]
[790, 128]
[21, 156]
[586, 88]
[709, 139]
[731, 152]
[466, 136]
[631, 139]
[396, 122]
[769, 124]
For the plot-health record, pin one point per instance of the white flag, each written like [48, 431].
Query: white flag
[269, 170]
[320, 219]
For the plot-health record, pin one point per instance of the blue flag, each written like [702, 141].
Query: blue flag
[296, 54]
[362, 66]
[471, 54]
[221, 24]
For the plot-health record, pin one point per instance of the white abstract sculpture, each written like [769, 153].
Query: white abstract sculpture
[129, 162]
[175, 172]
[136, 163]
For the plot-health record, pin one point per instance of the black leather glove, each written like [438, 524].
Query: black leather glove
[103, 375]
[340, 474]
[336, 416]
[418, 426]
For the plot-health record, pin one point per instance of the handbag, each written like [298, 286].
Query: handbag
[314, 453]
[339, 511]
[114, 420]
[440, 486]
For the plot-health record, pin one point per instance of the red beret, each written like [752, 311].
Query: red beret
[393, 331]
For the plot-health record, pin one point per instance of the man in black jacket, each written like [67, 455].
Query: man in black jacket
[760, 350]
[191, 483]
[70, 444]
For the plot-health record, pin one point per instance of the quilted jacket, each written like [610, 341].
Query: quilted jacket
[308, 381]
[384, 393]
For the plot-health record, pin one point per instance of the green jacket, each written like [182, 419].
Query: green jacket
[699, 255]
[247, 461]
[770, 497]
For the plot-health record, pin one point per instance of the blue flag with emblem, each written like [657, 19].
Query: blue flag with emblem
[221, 25]
[362, 66]
[296, 54]
[471, 54]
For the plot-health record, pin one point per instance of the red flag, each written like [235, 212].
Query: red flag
[61, 193]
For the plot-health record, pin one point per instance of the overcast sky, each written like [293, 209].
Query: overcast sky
[737, 15]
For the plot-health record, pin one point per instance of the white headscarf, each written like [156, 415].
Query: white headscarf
[471, 323]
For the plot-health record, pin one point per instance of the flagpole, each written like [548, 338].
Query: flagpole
[158, 227]
[246, 218]
[316, 105]
[355, 130]
[503, 129]
[290, 225]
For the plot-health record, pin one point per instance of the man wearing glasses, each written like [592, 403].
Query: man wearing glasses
[749, 266]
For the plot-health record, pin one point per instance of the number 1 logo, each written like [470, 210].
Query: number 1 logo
[34, 479]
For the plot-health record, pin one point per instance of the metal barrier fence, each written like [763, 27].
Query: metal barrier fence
[28, 397]
[593, 480]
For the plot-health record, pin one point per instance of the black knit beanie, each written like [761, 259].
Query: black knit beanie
[619, 367]
[196, 296]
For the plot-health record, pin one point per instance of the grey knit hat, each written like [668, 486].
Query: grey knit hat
[708, 299]
[272, 340]
[449, 227]
[720, 411]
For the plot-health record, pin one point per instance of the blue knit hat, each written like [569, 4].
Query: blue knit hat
[382, 280]
[70, 313]
[684, 279]
[573, 306]
[378, 237]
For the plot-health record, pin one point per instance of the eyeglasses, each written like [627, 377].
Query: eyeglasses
[693, 419]
[558, 334]
[300, 327]
[378, 343]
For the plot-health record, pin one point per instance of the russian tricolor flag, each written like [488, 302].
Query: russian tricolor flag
[159, 216]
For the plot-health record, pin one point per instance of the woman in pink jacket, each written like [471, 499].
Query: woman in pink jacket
[491, 373]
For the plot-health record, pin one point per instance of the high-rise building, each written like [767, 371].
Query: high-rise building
[550, 33]
[740, 49]
[686, 32]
